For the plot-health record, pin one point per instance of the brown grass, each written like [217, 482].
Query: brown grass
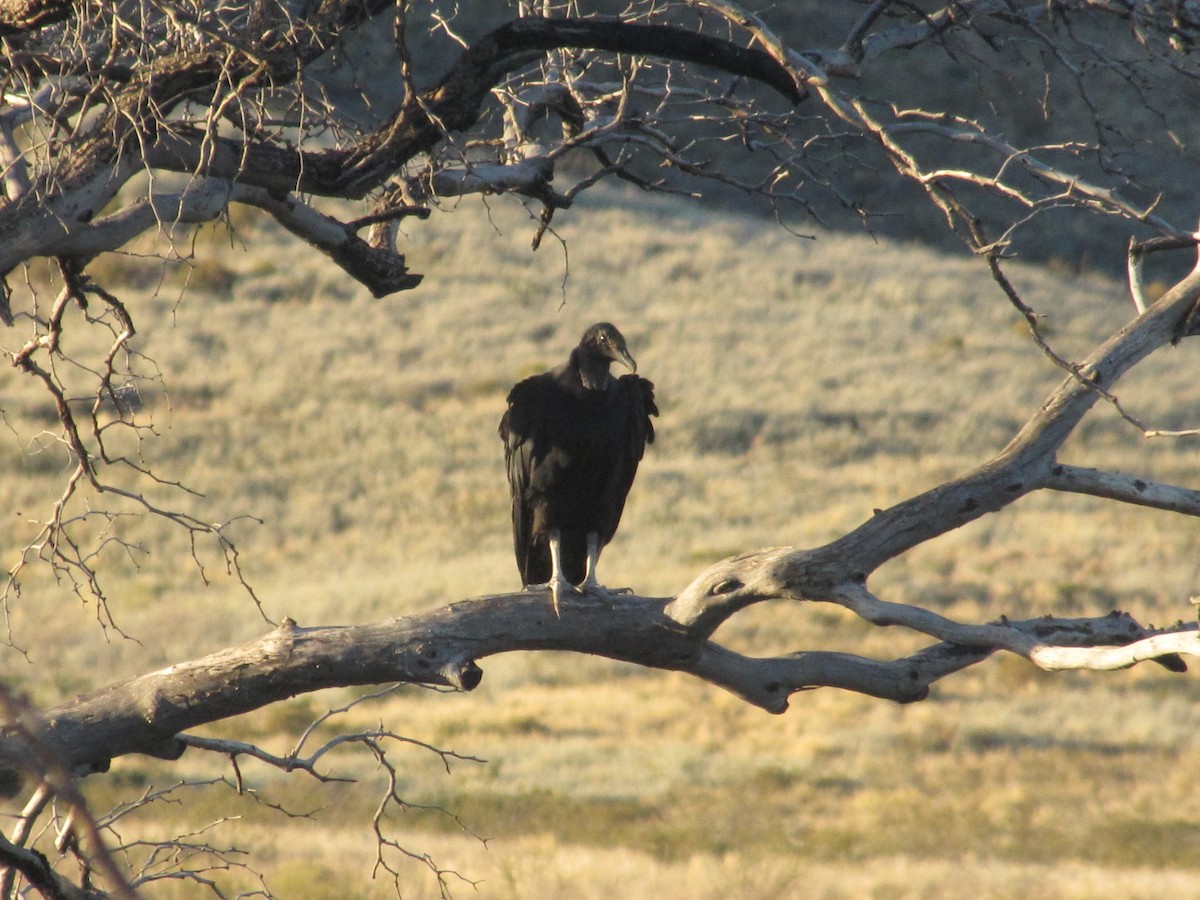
[802, 384]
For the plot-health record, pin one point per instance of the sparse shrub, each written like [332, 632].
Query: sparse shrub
[209, 276]
[730, 432]
[118, 271]
[290, 718]
[311, 881]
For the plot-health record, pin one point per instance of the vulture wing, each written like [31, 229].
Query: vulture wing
[520, 429]
[633, 405]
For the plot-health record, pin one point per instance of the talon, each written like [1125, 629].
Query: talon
[556, 586]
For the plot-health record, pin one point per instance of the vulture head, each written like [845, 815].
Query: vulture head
[600, 346]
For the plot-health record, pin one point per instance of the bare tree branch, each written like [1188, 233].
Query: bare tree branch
[146, 714]
[37, 871]
[54, 770]
[1126, 488]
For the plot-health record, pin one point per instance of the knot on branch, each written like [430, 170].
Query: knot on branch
[440, 663]
[10, 781]
[465, 676]
[728, 586]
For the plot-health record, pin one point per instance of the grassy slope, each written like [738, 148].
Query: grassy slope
[802, 384]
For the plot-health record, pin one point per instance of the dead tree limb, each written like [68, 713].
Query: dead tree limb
[147, 714]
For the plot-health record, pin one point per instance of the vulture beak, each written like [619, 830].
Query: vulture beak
[625, 359]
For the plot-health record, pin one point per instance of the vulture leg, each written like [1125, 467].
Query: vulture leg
[558, 581]
[593, 557]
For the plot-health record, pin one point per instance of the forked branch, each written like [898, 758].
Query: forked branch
[148, 714]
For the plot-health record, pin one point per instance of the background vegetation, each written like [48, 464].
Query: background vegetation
[802, 383]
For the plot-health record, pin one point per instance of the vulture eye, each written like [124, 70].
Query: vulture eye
[728, 586]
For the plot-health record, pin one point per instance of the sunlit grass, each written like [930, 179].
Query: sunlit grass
[803, 384]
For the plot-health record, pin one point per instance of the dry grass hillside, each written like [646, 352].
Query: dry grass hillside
[803, 383]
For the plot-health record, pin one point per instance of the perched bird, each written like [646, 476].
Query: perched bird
[573, 438]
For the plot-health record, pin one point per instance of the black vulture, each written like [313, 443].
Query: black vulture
[573, 438]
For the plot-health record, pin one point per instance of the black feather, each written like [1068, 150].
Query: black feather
[573, 438]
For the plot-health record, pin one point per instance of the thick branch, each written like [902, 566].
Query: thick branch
[838, 571]
[55, 215]
[381, 269]
[38, 872]
[1114, 641]
[1029, 460]
[452, 105]
[146, 714]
